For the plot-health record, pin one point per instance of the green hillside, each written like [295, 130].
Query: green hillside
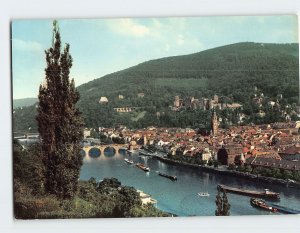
[18, 103]
[230, 71]
[272, 68]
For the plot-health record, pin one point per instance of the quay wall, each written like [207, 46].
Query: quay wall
[231, 173]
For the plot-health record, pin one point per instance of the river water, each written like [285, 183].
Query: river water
[180, 197]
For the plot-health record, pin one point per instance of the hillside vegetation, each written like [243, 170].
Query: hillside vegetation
[104, 199]
[18, 103]
[232, 72]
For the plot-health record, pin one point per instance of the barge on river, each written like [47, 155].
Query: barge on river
[143, 167]
[262, 194]
[174, 178]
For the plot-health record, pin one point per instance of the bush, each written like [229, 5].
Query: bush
[231, 167]
[31, 207]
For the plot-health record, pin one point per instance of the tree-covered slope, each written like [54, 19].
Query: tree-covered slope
[18, 103]
[230, 71]
[263, 65]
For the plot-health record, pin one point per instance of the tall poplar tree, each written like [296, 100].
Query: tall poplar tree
[223, 205]
[59, 122]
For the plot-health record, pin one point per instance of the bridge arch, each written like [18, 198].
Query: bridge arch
[121, 150]
[109, 151]
[94, 152]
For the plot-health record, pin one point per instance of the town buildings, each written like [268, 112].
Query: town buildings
[277, 142]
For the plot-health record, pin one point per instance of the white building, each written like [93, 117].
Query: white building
[206, 155]
[103, 100]
[86, 133]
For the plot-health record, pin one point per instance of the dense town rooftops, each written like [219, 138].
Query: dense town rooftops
[274, 163]
[291, 150]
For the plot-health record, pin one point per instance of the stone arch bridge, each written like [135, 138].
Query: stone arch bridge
[102, 148]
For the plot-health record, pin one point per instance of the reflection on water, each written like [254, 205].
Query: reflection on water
[181, 197]
[94, 152]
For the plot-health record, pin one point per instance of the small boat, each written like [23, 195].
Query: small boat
[128, 161]
[143, 167]
[203, 194]
[174, 178]
[259, 203]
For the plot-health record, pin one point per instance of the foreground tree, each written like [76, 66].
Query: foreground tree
[223, 205]
[59, 122]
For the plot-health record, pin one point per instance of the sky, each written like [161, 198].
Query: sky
[103, 46]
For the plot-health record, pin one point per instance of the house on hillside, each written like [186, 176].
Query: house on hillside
[141, 95]
[103, 100]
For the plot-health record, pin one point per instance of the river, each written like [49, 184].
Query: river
[180, 197]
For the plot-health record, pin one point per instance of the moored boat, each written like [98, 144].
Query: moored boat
[259, 203]
[143, 167]
[174, 178]
[265, 194]
[128, 161]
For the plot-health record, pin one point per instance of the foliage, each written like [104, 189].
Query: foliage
[19, 103]
[24, 119]
[89, 203]
[59, 122]
[268, 172]
[231, 166]
[107, 198]
[28, 169]
[223, 206]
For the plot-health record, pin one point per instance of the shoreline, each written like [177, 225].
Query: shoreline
[230, 172]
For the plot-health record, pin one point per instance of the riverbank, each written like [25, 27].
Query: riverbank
[224, 170]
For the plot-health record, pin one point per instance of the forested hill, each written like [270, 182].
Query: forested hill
[225, 70]
[17, 103]
[231, 71]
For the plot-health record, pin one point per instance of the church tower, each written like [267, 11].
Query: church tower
[214, 123]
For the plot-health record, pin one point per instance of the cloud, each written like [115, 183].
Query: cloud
[167, 47]
[23, 45]
[180, 40]
[129, 27]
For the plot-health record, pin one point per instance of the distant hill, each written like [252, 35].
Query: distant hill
[231, 71]
[17, 103]
[273, 68]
